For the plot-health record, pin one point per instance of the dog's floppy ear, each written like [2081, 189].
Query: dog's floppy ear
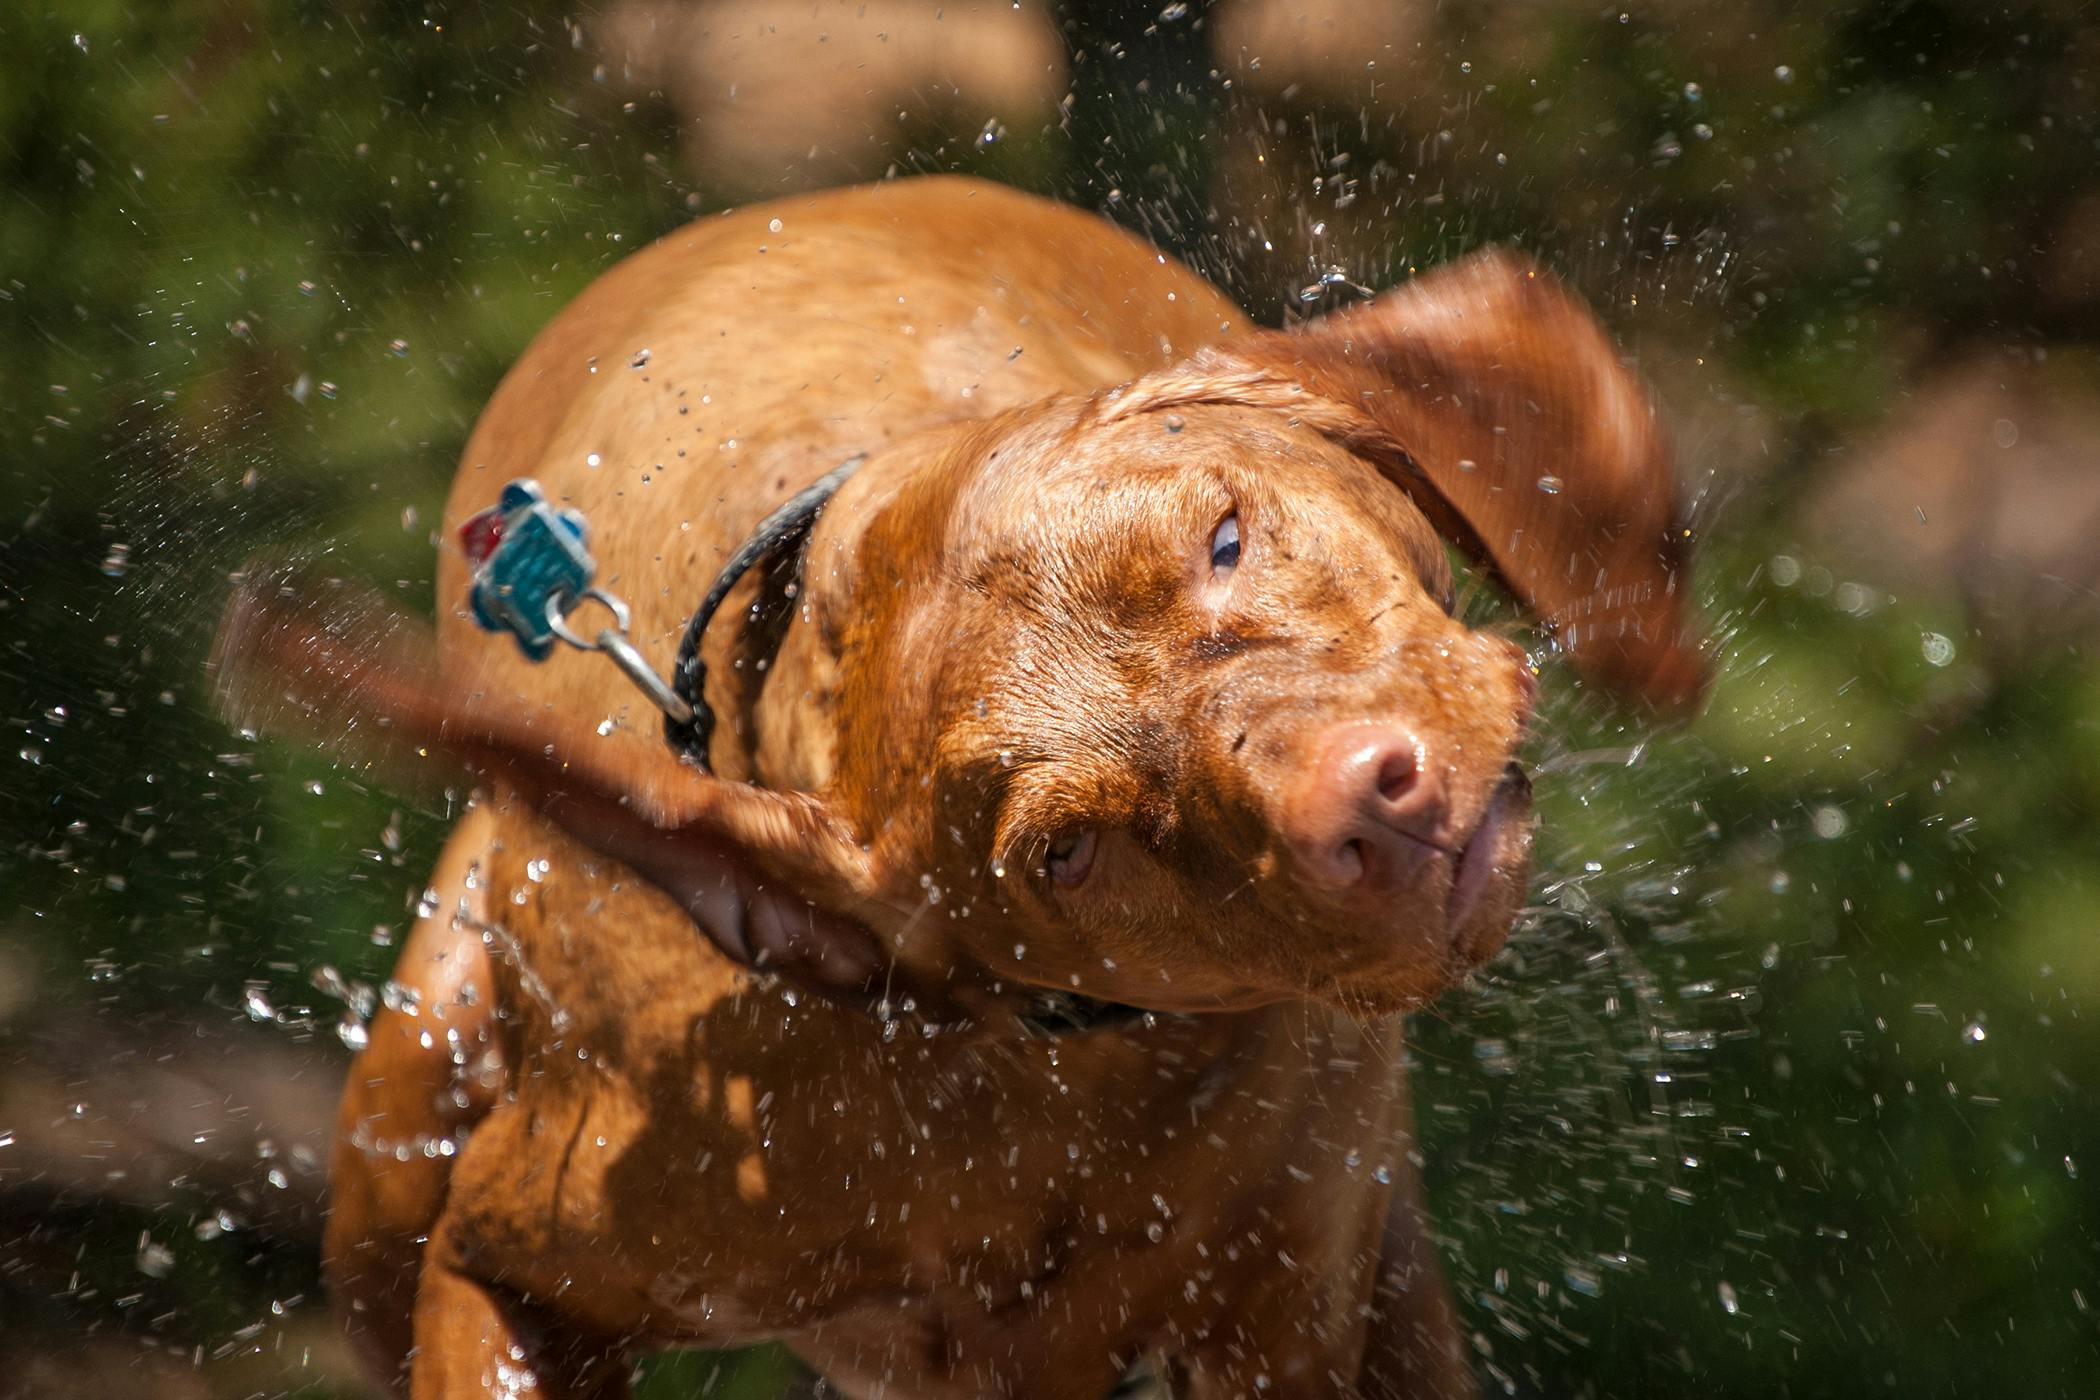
[1488, 393]
[770, 877]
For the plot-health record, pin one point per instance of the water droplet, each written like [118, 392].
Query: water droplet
[257, 1005]
[1729, 1304]
[327, 388]
[1783, 73]
[351, 1031]
[1828, 822]
[1693, 92]
[397, 348]
[155, 1260]
[592, 459]
[1939, 651]
[641, 357]
[1177, 10]
[117, 560]
[1494, 1056]
[1973, 1033]
[1551, 485]
[1155, 1232]
[773, 227]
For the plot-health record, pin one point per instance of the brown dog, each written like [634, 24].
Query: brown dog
[1122, 672]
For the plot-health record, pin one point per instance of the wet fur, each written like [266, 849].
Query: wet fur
[1003, 631]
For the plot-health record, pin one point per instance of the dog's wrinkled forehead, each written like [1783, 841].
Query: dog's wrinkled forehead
[1083, 614]
[1111, 521]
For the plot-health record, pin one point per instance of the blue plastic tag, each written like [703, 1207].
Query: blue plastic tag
[530, 566]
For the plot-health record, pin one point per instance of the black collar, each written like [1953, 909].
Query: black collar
[1050, 1014]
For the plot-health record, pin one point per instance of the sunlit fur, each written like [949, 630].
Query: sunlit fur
[1046, 587]
[1007, 631]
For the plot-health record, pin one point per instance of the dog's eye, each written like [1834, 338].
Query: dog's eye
[1070, 857]
[1225, 546]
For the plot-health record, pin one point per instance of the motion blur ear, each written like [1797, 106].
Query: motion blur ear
[1492, 397]
[771, 878]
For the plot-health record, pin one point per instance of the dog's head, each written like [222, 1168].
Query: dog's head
[1157, 696]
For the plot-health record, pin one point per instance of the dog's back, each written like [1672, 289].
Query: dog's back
[699, 383]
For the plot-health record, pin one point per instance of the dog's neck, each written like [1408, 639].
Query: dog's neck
[795, 715]
[785, 637]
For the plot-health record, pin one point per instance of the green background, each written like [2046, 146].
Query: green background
[1786, 1086]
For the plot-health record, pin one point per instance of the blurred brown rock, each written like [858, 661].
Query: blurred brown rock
[775, 95]
[121, 1113]
[1986, 481]
[102, 1369]
[2071, 267]
[1323, 50]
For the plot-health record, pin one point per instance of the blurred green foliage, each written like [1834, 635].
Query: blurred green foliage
[1785, 1090]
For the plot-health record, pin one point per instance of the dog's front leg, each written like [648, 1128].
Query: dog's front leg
[1297, 1301]
[1301, 1337]
[427, 1073]
[1416, 1348]
[474, 1340]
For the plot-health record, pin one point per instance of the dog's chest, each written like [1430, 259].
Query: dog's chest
[756, 1165]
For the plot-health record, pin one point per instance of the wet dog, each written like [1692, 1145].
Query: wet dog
[1002, 997]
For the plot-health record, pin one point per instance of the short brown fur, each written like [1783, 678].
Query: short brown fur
[1009, 628]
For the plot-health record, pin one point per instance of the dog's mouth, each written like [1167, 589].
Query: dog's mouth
[1487, 869]
[1500, 844]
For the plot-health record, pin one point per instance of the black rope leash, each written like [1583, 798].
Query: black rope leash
[532, 567]
[787, 527]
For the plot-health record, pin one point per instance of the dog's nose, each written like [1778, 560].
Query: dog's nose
[1367, 809]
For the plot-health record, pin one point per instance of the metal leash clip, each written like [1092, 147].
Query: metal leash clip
[532, 569]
